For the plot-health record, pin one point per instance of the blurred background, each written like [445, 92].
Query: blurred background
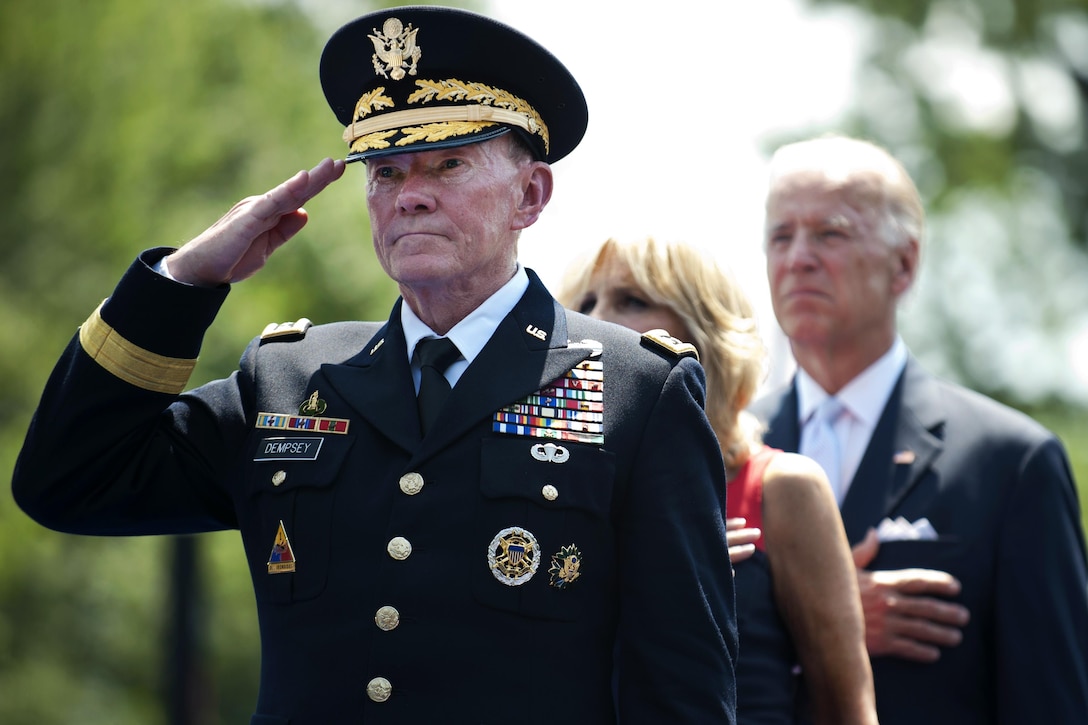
[126, 125]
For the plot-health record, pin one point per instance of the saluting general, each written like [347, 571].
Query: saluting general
[485, 509]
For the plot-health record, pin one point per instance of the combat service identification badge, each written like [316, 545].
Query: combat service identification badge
[513, 556]
[282, 559]
[565, 567]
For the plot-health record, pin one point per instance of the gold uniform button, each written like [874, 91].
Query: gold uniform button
[379, 689]
[387, 618]
[411, 483]
[550, 492]
[399, 548]
[279, 477]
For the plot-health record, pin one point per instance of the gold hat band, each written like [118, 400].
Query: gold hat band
[416, 116]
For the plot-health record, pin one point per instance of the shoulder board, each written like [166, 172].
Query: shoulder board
[274, 331]
[662, 340]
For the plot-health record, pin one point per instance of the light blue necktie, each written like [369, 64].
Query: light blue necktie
[821, 443]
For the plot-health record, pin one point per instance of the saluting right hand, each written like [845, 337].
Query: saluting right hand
[243, 239]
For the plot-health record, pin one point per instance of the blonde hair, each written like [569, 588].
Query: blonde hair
[715, 311]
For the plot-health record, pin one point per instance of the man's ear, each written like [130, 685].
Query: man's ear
[907, 258]
[536, 192]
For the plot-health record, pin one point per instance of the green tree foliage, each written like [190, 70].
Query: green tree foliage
[985, 102]
[1035, 55]
[128, 125]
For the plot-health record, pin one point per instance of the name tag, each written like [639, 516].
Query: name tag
[288, 449]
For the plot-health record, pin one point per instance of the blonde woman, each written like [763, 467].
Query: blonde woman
[797, 594]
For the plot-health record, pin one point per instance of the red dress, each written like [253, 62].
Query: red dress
[767, 686]
[745, 492]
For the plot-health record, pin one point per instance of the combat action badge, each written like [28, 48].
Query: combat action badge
[565, 567]
[282, 559]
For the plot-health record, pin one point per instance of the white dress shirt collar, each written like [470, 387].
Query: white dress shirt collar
[472, 333]
[865, 396]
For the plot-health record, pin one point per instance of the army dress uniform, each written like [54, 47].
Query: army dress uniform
[395, 598]
[551, 550]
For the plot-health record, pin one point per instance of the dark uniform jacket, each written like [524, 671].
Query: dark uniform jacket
[471, 576]
[997, 488]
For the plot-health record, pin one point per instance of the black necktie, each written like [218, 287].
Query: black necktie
[435, 355]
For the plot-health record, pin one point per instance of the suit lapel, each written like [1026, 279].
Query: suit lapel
[917, 442]
[783, 430]
[901, 450]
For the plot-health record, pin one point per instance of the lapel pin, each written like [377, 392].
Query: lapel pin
[903, 458]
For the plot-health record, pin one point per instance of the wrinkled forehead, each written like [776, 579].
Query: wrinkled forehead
[818, 191]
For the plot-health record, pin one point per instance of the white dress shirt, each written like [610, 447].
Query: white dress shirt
[470, 334]
[864, 397]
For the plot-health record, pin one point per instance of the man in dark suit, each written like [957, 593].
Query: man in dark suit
[963, 512]
[541, 543]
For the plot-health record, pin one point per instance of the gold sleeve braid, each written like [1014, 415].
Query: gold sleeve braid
[132, 363]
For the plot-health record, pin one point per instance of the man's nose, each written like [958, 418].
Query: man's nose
[415, 195]
[802, 250]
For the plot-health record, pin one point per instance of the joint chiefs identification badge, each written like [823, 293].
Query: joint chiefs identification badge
[513, 556]
[282, 558]
[565, 567]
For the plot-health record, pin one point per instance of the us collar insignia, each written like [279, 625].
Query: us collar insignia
[395, 49]
[565, 568]
[513, 556]
[570, 408]
[282, 558]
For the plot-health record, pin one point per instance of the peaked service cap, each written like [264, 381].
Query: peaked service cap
[424, 77]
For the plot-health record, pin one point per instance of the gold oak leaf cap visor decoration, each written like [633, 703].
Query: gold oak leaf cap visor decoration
[426, 77]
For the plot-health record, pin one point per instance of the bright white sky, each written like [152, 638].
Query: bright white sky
[683, 97]
[679, 100]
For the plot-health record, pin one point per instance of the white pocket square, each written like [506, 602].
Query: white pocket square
[902, 530]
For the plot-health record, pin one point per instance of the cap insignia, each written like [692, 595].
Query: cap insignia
[395, 49]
